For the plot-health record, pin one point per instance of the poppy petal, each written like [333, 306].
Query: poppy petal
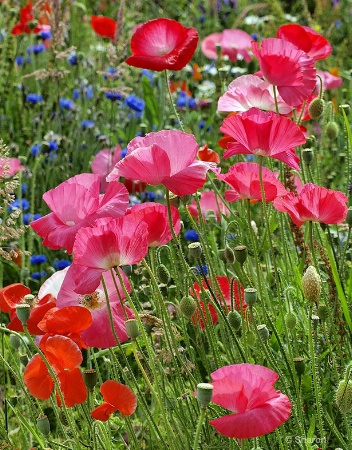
[37, 378]
[120, 396]
[102, 412]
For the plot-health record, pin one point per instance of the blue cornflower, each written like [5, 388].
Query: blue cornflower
[149, 74]
[38, 275]
[111, 73]
[202, 124]
[249, 158]
[53, 146]
[191, 235]
[61, 264]
[28, 218]
[34, 98]
[255, 36]
[37, 259]
[87, 124]
[24, 188]
[135, 103]
[45, 34]
[19, 60]
[19, 204]
[113, 96]
[35, 149]
[201, 270]
[86, 90]
[36, 49]
[72, 59]
[124, 152]
[66, 103]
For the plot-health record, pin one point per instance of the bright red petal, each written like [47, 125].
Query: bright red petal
[72, 319]
[120, 396]
[37, 378]
[104, 26]
[73, 388]
[102, 412]
[11, 296]
[62, 353]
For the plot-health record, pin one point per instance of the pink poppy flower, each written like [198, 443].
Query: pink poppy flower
[306, 39]
[232, 42]
[248, 91]
[248, 390]
[263, 134]
[287, 67]
[329, 81]
[110, 243]
[10, 166]
[314, 203]
[244, 180]
[162, 44]
[166, 157]
[209, 201]
[156, 217]
[103, 163]
[76, 203]
[99, 334]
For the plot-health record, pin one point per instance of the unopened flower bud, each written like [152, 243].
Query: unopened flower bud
[323, 312]
[332, 130]
[300, 366]
[311, 284]
[43, 425]
[344, 396]
[15, 341]
[250, 296]
[90, 378]
[308, 155]
[204, 394]
[316, 108]
[174, 200]
[263, 332]
[240, 254]
[188, 306]
[235, 320]
[29, 299]
[163, 289]
[163, 274]
[229, 254]
[132, 328]
[23, 312]
[195, 250]
[291, 320]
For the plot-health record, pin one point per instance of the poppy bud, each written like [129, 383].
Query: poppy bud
[90, 378]
[332, 130]
[188, 306]
[132, 329]
[250, 296]
[229, 254]
[344, 396]
[195, 250]
[43, 425]
[163, 289]
[174, 200]
[323, 312]
[23, 312]
[210, 216]
[204, 394]
[311, 284]
[316, 108]
[29, 298]
[240, 254]
[299, 366]
[291, 320]
[163, 274]
[251, 339]
[15, 341]
[263, 332]
[308, 155]
[235, 320]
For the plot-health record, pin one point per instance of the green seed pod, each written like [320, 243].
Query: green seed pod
[332, 130]
[311, 284]
[174, 200]
[90, 378]
[316, 108]
[300, 366]
[188, 306]
[235, 320]
[43, 425]
[204, 394]
[23, 312]
[132, 329]
[29, 299]
[163, 274]
[15, 341]
[240, 254]
[229, 254]
[195, 250]
[291, 320]
[308, 155]
[250, 296]
[263, 332]
[344, 396]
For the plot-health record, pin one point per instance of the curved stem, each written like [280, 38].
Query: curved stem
[173, 103]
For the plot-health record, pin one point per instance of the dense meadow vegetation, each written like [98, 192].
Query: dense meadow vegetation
[175, 229]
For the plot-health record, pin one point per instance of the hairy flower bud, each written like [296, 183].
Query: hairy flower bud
[344, 396]
[332, 130]
[188, 306]
[316, 108]
[163, 274]
[235, 320]
[311, 284]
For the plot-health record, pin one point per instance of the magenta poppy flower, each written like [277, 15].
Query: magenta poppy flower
[162, 44]
[99, 333]
[110, 243]
[287, 67]
[156, 217]
[264, 134]
[244, 180]
[314, 203]
[103, 163]
[209, 201]
[248, 391]
[166, 157]
[9, 167]
[306, 39]
[76, 203]
[232, 42]
[248, 91]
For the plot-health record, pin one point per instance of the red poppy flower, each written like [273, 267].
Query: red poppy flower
[263, 134]
[286, 66]
[306, 39]
[26, 17]
[248, 390]
[314, 203]
[207, 154]
[207, 310]
[65, 357]
[104, 26]
[162, 44]
[118, 397]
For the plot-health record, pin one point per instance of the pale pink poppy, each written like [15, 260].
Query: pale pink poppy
[314, 203]
[232, 42]
[248, 391]
[284, 65]
[329, 81]
[10, 166]
[244, 180]
[156, 217]
[76, 203]
[209, 201]
[166, 157]
[103, 163]
[99, 334]
[110, 243]
[263, 134]
[248, 91]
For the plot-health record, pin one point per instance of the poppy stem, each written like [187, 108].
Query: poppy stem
[178, 118]
[199, 427]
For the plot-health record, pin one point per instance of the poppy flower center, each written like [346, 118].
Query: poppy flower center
[91, 301]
